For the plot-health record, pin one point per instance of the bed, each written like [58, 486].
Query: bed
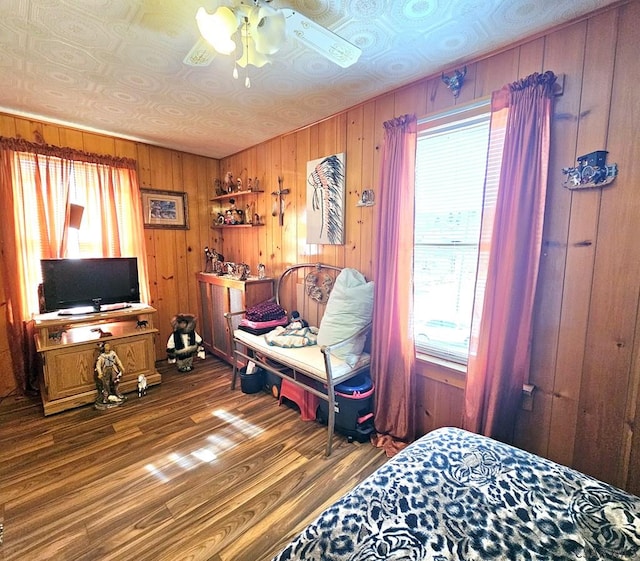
[454, 495]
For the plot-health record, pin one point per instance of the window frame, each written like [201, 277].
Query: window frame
[478, 109]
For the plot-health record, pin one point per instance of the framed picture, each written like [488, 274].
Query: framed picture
[165, 209]
[325, 200]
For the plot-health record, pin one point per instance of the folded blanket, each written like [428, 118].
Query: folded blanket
[261, 327]
[294, 335]
[265, 311]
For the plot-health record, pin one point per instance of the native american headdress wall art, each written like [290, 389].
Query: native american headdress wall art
[325, 200]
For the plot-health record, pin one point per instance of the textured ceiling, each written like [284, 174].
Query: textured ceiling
[115, 66]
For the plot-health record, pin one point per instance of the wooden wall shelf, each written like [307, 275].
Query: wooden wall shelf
[234, 195]
[232, 226]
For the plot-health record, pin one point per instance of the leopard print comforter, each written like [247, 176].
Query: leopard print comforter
[453, 495]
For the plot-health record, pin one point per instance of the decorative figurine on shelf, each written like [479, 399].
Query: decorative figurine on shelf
[217, 187]
[249, 212]
[142, 385]
[239, 184]
[184, 343]
[109, 371]
[233, 215]
[228, 183]
[262, 272]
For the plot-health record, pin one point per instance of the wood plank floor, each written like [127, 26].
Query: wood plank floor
[190, 471]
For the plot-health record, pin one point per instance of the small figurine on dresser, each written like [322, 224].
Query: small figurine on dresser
[208, 259]
[212, 260]
[184, 343]
[109, 371]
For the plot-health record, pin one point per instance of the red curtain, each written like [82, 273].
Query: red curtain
[510, 252]
[393, 355]
[34, 191]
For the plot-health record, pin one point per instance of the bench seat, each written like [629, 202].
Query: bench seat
[317, 369]
[309, 361]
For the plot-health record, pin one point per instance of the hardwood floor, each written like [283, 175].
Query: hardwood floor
[190, 471]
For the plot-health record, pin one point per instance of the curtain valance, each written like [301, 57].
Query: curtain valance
[21, 145]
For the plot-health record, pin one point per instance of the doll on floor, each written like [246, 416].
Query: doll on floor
[184, 343]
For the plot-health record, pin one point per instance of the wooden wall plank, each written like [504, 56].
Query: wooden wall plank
[8, 126]
[354, 187]
[494, 72]
[531, 57]
[564, 52]
[370, 174]
[291, 182]
[303, 149]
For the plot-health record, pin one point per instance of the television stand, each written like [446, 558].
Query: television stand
[69, 347]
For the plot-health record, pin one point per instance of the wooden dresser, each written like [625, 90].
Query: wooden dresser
[221, 294]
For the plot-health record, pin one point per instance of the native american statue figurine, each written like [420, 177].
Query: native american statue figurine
[109, 371]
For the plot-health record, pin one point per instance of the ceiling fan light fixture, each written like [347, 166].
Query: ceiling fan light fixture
[267, 29]
[260, 30]
[251, 55]
[217, 28]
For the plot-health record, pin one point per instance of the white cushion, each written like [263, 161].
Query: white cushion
[307, 360]
[349, 309]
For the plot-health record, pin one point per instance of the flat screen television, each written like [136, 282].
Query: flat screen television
[78, 286]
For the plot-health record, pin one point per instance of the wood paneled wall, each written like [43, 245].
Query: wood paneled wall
[585, 350]
[174, 256]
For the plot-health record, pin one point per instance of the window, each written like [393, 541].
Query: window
[451, 164]
[43, 186]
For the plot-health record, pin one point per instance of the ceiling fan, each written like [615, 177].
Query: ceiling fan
[260, 31]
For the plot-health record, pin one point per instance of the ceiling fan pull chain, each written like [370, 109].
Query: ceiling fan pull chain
[247, 81]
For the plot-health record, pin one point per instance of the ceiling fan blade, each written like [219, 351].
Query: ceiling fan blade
[319, 38]
[201, 54]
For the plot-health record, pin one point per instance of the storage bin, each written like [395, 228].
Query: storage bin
[353, 407]
[251, 383]
[272, 384]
